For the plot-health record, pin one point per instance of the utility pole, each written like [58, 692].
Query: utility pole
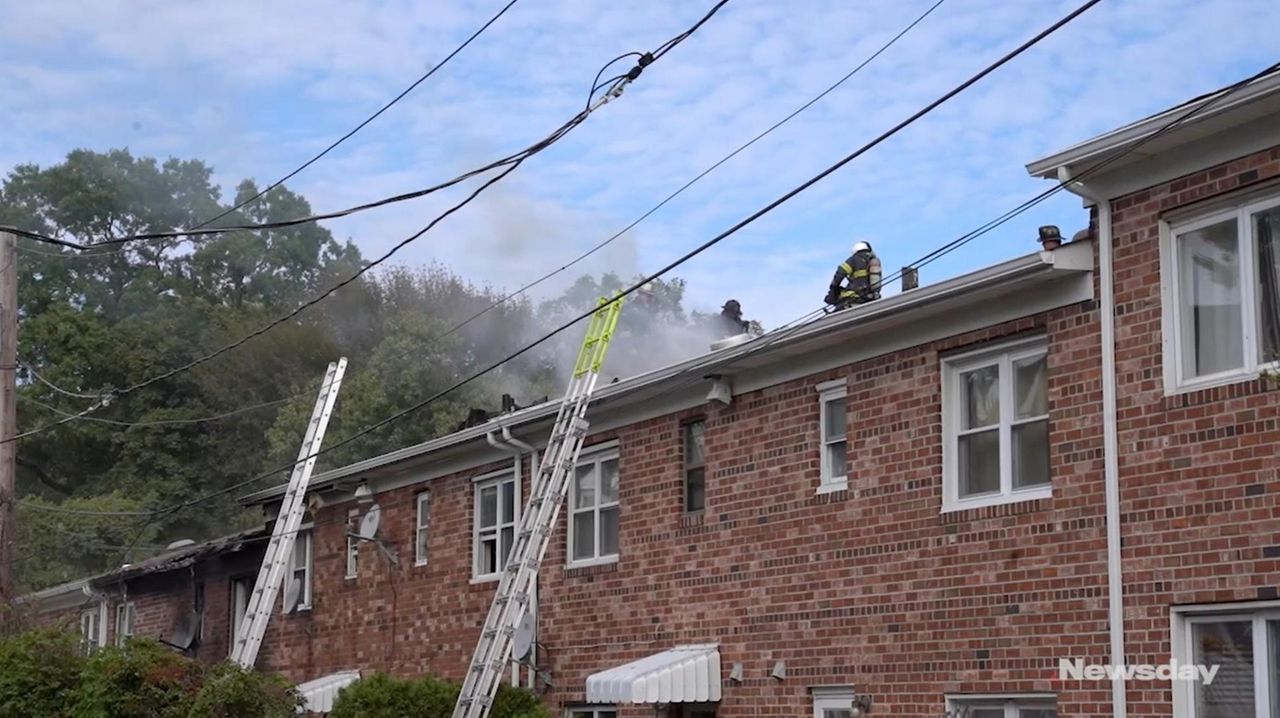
[8, 409]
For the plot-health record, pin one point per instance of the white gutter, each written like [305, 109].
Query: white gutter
[1110, 440]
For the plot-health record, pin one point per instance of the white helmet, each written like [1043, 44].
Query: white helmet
[861, 247]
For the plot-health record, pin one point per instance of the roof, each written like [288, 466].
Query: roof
[162, 563]
[900, 312]
[1257, 99]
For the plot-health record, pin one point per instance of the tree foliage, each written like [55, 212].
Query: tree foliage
[122, 314]
[382, 696]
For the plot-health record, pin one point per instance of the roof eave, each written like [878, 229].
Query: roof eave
[1122, 138]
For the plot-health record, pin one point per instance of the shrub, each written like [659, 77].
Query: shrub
[140, 680]
[229, 691]
[39, 671]
[381, 696]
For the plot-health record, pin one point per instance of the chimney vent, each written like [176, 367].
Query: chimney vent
[910, 278]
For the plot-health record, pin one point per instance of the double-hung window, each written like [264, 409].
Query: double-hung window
[422, 520]
[833, 702]
[125, 616]
[593, 510]
[1244, 645]
[1003, 706]
[833, 428]
[353, 543]
[496, 513]
[593, 713]
[298, 592]
[90, 636]
[1222, 295]
[695, 469]
[995, 412]
[241, 588]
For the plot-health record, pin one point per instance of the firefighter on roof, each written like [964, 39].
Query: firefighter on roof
[857, 279]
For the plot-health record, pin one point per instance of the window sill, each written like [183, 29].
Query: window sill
[419, 564]
[589, 562]
[1042, 492]
[488, 578]
[831, 486]
[1220, 380]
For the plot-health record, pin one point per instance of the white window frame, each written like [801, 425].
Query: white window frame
[1011, 702]
[126, 617]
[239, 605]
[480, 483]
[590, 711]
[91, 629]
[304, 540]
[1171, 290]
[1182, 618]
[421, 527]
[353, 544]
[686, 429]
[596, 457]
[830, 480]
[832, 698]
[1004, 354]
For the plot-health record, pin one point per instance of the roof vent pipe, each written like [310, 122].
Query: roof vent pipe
[910, 278]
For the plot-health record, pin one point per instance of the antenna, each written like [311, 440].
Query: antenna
[370, 523]
[524, 637]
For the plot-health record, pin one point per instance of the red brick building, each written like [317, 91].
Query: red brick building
[932, 499]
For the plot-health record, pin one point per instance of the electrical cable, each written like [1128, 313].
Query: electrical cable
[31, 370]
[621, 294]
[559, 133]
[645, 60]
[362, 125]
[161, 422]
[698, 177]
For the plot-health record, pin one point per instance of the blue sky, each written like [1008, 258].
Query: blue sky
[255, 88]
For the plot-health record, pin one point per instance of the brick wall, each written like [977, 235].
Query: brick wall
[1199, 479]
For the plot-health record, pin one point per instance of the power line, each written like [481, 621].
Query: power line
[672, 265]
[367, 120]
[697, 178]
[645, 59]
[31, 370]
[161, 422]
[613, 91]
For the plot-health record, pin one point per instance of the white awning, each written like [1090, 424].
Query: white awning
[321, 693]
[684, 674]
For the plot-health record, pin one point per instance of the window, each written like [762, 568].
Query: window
[496, 514]
[834, 430]
[833, 702]
[593, 524]
[197, 605]
[299, 574]
[1222, 302]
[996, 420]
[1004, 706]
[125, 617]
[695, 476]
[1245, 646]
[240, 590]
[353, 543]
[593, 713]
[421, 522]
[90, 630]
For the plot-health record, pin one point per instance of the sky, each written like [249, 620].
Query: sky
[254, 89]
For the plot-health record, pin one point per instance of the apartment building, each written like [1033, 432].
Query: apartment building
[931, 500]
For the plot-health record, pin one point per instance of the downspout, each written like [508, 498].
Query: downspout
[517, 449]
[1110, 439]
[533, 588]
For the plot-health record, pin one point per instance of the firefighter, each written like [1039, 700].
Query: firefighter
[731, 319]
[862, 273]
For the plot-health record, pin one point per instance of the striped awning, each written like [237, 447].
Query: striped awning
[321, 693]
[684, 674]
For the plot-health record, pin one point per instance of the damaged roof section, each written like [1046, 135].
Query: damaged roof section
[180, 558]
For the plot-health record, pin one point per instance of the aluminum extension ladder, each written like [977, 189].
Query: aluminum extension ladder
[550, 483]
[279, 554]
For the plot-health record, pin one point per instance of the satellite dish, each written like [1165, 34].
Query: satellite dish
[291, 594]
[369, 524]
[524, 637]
[185, 630]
